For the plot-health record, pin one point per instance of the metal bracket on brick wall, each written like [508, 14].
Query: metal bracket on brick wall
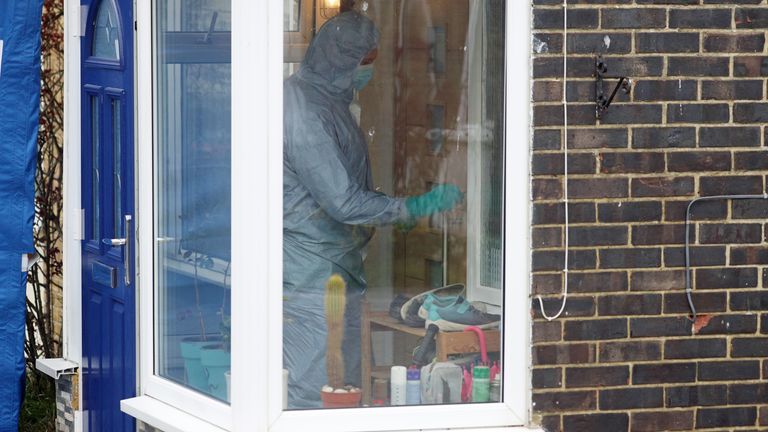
[601, 102]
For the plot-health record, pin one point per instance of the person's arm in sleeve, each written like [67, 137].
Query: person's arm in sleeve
[324, 170]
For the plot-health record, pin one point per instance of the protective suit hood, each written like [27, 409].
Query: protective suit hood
[335, 52]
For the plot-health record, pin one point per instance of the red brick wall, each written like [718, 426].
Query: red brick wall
[624, 356]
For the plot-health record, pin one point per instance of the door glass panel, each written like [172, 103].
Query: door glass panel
[117, 179]
[393, 187]
[95, 174]
[192, 194]
[106, 35]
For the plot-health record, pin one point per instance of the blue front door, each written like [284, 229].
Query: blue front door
[109, 342]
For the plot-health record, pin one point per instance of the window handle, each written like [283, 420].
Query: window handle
[114, 242]
[124, 242]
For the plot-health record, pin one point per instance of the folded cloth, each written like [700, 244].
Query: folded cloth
[441, 383]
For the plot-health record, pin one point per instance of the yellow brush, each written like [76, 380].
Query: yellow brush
[335, 303]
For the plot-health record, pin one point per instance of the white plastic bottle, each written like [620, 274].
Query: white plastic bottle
[398, 383]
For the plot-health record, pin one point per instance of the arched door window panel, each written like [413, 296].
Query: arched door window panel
[106, 32]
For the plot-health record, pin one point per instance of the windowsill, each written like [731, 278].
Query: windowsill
[164, 417]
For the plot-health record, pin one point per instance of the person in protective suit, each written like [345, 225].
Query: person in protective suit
[330, 206]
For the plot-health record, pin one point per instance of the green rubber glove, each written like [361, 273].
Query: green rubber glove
[441, 198]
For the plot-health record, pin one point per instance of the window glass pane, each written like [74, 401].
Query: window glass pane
[117, 180]
[291, 16]
[393, 204]
[95, 163]
[192, 196]
[106, 35]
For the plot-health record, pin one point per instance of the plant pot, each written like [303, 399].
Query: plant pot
[341, 400]
[194, 374]
[216, 361]
[228, 378]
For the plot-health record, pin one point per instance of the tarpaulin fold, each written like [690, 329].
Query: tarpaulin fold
[19, 119]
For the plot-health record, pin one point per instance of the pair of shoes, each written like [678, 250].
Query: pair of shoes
[455, 313]
[410, 311]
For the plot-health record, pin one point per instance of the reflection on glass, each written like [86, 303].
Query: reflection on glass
[192, 196]
[394, 221]
[95, 163]
[106, 35]
[117, 167]
[291, 15]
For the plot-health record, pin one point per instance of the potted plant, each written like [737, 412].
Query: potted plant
[216, 360]
[336, 394]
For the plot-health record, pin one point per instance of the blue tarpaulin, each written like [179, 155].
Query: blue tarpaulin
[19, 113]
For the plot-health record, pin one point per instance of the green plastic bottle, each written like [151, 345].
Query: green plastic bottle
[481, 384]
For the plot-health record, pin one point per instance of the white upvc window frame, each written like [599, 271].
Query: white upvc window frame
[257, 217]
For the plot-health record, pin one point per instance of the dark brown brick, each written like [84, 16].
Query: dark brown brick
[645, 162]
[550, 283]
[730, 233]
[697, 18]
[598, 235]
[751, 18]
[730, 324]
[656, 327]
[546, 237]
[662, 186]
[750, 66]
[598, 188]
[667, 42]
[677, 303]
[701, 210]
[749, 112]
[639, 211]
[732, 90]
[742, 394]
[698, 113]
[597, 282]
[547, 43]
[551, 423]
[630, 258]
[729, 370]
[546, 331]
[547, 91]
[663, 373]
[698, 66]
[657, 90]
[548, 67]
[699, 161]
[615, 422]
[657, 280]
[547, 378]
[735, 277]
[731, 185]
[691, 396]
[749, 301]
[644, 304]
[563, 354]
[553, 18]
[749, 255]
[565, 401]
[750, 209]
[554, 213]
[551, 260]
[734, 43]
[749, 347]
[553, 163]
[597, 138]
[548, 115]
[632, 113]
[695, 348]
[547, 139]
[576, 306]
[662, 421]
[729, 137]
[599, 376]
[631, 398]
[751, 161]
[619, 352]
[701, 256]
[664, 137]
[634, 18]
[588, 43]
[543, 189]
[596, 329]
[644, 235]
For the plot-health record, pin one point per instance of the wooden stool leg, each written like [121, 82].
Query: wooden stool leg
[366, 356]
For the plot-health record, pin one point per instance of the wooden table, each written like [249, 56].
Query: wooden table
[448, 343]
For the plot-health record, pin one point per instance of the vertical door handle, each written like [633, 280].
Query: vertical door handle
[128, 248]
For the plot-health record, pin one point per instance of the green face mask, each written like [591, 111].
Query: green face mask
[362, 76]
